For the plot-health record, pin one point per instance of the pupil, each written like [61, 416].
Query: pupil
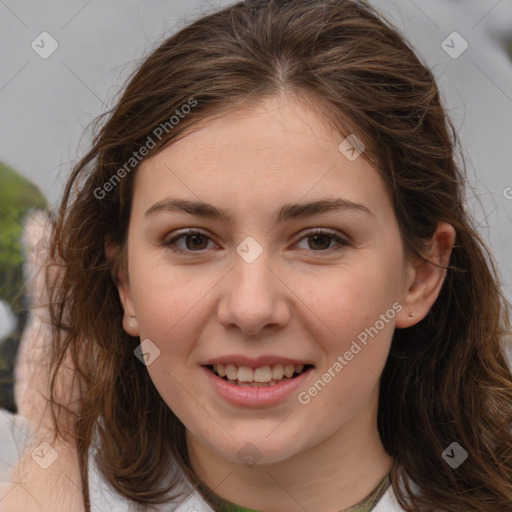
[195, 237]
[316, 237]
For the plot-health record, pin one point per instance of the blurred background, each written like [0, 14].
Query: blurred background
[63, 61]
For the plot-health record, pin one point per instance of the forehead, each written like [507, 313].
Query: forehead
[276, 150]
[274, 124]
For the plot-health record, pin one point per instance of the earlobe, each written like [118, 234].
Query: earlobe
[122, 282]
[130, 325]
[426, 277]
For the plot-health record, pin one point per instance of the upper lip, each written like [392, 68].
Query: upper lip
[258, 362]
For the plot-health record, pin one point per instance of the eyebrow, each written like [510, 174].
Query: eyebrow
[287, 211]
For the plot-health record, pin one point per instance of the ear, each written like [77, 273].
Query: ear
[426, 277]
[130, 323]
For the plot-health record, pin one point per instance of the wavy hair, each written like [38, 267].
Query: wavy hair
[446, 379]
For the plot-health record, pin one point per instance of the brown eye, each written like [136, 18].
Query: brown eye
[195, 241]
[320, 240]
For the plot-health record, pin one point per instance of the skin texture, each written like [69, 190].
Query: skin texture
[33, 488]
[298, 299]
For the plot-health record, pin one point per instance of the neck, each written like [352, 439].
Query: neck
[336, 474]
[365, 505]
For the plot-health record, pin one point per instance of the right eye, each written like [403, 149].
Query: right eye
[197, 238]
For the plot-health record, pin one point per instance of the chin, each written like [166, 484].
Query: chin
[248, 449]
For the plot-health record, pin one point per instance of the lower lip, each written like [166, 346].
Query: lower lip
[255, 396]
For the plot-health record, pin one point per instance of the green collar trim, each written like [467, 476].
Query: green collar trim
[365, 505]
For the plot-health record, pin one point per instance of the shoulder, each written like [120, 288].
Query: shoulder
[388, 502]
[16, 437]
[105, 497]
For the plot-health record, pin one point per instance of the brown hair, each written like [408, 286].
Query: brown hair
[446, 379]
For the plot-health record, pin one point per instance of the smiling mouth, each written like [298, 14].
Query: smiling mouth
[265, 376]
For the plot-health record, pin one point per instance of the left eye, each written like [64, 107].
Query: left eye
[319, 237]
[197, 241]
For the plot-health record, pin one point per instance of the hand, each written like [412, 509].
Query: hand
[32, 387]
[48, 476]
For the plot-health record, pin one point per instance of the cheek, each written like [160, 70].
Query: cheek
[168, 309]
[168, 305]
[167, 299]
[357, 322]
[354, 298]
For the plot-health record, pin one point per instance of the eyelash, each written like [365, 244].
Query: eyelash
[190, 232]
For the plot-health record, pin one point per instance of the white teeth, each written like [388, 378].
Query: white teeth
[278, 372]
[288, 370]
[246, 375]
[263, 374]
[231, 371]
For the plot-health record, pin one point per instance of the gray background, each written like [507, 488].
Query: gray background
[47, 103]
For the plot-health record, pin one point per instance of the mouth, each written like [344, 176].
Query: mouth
[264, 376]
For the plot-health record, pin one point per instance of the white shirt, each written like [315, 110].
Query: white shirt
[15, 434]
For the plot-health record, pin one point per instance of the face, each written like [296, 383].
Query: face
[260, 284]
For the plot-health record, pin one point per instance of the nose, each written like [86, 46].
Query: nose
[254, 296]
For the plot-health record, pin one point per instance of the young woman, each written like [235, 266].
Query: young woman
[269, 285]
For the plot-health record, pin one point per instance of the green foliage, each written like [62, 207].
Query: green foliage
[17, 197]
